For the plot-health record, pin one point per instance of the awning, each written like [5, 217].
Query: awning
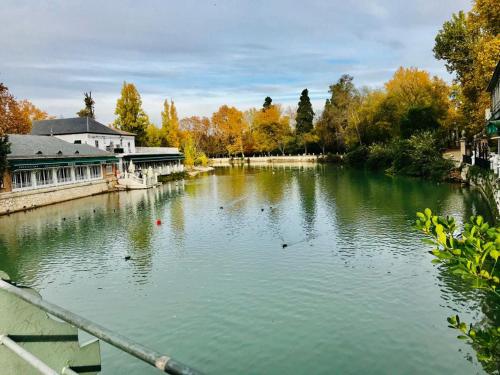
[53, 163]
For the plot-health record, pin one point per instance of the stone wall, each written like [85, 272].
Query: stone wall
[23, 200]
[259, 160]
[487, 183]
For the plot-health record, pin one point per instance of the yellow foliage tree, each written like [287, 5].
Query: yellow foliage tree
[170, 125]
[271, 130]
[231, 123]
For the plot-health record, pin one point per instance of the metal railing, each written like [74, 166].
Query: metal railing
[158, 360]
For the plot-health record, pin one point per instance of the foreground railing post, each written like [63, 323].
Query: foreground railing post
[160, 361]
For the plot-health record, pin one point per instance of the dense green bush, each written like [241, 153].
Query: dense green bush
[380, 156]
[420, 156]
[357, 157]
[417, 156]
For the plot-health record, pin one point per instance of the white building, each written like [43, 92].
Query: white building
[85, 130]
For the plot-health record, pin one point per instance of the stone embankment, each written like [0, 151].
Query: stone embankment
[29, 199]
[487, 183]
[265, 160]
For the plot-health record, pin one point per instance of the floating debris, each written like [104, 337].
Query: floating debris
[284, 245]
[128, 257]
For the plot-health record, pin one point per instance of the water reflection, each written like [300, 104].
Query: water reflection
[111, 226]
[353, 264]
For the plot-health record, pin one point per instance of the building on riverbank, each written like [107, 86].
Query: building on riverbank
[85, 130]
[44, 170]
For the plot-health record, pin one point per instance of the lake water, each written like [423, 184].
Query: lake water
[353, 292]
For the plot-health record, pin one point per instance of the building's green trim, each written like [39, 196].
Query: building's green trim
[50, 163]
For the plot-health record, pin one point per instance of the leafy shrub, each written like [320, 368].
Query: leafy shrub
[420, 156]
[201, 159]
[473, 255]
[380, 156]
[357, 157]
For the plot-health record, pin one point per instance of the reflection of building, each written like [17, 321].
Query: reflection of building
[85, 130]
[44, 170]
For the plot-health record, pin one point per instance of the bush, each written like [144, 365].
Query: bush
[420, 156]
[357, 157]
[380, 156]
[201, 159]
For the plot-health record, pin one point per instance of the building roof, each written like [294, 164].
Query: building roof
[494, 78]
[75, 125]
[42, 147]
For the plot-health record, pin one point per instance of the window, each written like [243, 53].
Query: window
[78, 142]
[63, 175]
[44, 177]
[21, 179]
[95, 171]
[80, 173]
[96, 143]
[109, 168]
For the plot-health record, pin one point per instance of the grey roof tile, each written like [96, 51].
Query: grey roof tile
[24, 146]
[76, 125]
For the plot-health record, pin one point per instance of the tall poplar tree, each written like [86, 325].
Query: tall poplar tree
[130, 115]
[169, 125]
[305, 114]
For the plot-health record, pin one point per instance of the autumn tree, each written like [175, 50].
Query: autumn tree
[130, 115]
[32, 112]
[271, 130]
[421, 101]
[153, 136]
[200, 130]
[12, 119]
[231, 123]
[88, 110]
[469, 43]
[170, 125]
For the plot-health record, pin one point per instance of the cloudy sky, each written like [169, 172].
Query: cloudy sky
[205, 53]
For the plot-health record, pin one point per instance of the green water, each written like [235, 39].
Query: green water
[354, 292]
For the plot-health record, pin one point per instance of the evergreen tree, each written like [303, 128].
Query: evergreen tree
[305, 114]
[267, 103]
[130, 115]
[88, 111]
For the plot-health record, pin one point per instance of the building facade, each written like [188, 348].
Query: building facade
[85, 130]
[44, 170]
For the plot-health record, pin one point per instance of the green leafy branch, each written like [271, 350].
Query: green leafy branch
[473, 255]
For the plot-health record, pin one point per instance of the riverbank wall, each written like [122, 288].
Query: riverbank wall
[265, 160]
[487, 183]
[29, 199]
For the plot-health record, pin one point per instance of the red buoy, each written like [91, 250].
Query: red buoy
[158, 222]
